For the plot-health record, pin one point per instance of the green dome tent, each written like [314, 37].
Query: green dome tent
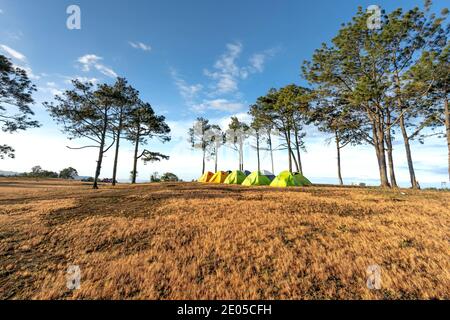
[288, 179]
[301, 179]
[235, 177]
[268, 174]
[256, 179]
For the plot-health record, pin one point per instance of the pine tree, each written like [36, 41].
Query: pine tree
[86, 112]
[200, 137]
[16, 98]
[143, 125]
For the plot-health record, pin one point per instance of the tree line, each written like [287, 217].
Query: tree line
[103, 115]
[37, 172]
[281, 114]
[364, 86]
[378, 81]
[70, 173]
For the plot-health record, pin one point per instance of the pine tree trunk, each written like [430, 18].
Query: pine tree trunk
[257, 151]
[271, 153]
[135, 159]
[297, 146]
[390, 158]
[216, 160]
[381, 156]
[241, 157]
[116, 156]
[412, 174]
[295, 160]
[384, 176]
[204, 162]
[338, 149]
[447, 126]
[100, 151]
[288, 141]
[99, 164]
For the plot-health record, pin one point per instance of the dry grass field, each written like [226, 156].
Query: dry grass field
[194, 241]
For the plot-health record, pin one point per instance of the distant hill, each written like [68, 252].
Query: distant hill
[13, 173]
[81, 177]
[8, 173]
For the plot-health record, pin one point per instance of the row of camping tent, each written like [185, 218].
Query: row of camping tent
[257, 178]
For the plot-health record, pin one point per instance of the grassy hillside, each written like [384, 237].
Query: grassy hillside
[194, 241]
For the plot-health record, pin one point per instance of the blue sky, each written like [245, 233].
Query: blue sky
[188, 59]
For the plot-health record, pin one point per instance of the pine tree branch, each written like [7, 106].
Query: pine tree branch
[79, 148]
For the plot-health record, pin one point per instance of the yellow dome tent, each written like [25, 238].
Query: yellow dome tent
[219, 177]
[206, 177]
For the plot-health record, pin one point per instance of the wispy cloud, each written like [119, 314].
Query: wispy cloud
[191, 92]
[13, 53]
[21, 60]
[187, 91]
[222, 93]
[258, 60]
[68, 80]
[30, 72]
[227, 73]
[141, 46]
[90, 61]
[51, 88]
[218, 105]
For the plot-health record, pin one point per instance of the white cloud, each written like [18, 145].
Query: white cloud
[29, 72]
[13, 53]
[227, 73]
[106, 71]
[227, 62]
[22, 61]
[187, 91]
[257, 61]
[68, 80]
[52, 90]
[190, 92]
[90, 61]
[223, 93]
[218, 105]
[141, 46]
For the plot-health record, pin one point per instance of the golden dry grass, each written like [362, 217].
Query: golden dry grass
[194, 241]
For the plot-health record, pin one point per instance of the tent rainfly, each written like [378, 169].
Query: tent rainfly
[206, 177]
[235, 177]
[288, 179]
[219, 177]
[256, 179]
